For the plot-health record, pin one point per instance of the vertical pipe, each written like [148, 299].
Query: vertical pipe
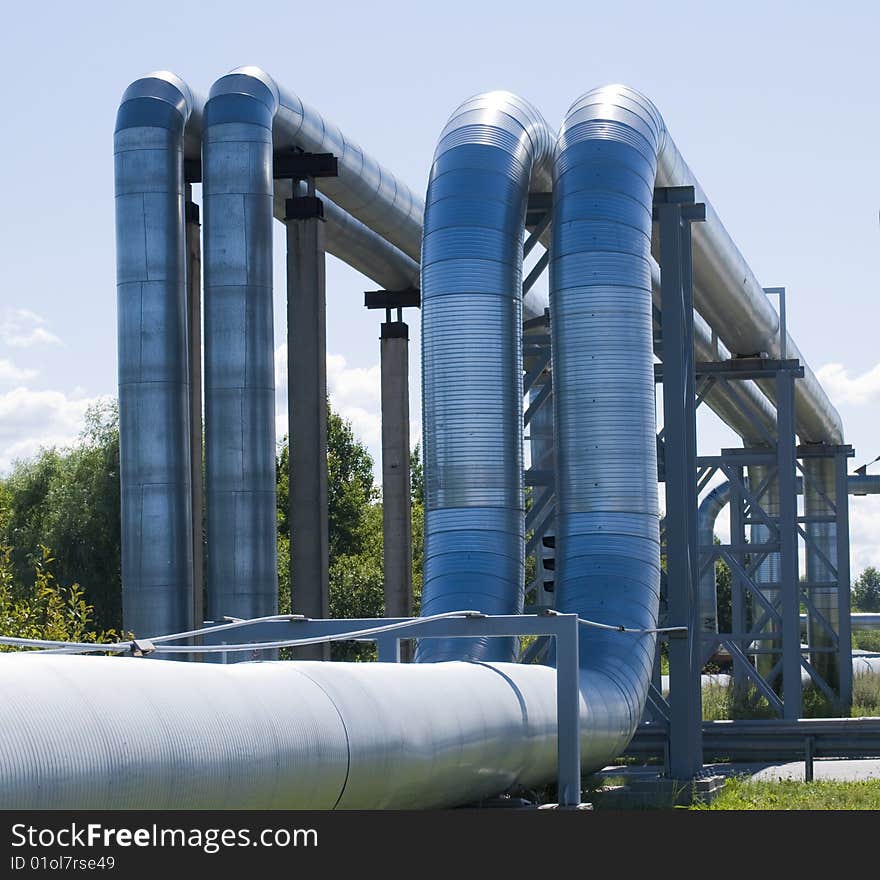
[608, 551]
[153, 372]
[194, 310]
[472, 382]
[819, 496]
[767, 575]
[239, 362]
[307, 419]
[710, 507]
[396, 513]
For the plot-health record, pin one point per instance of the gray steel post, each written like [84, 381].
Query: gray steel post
[844, 632]
[788, 544]
[396, 512]
[307, 419]
[194, 308]
[568, 713]
[679, 422]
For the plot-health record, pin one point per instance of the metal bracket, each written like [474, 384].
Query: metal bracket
[297, 165]
[304, 208]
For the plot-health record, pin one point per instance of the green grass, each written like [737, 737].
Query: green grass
[866, 640]
[748, 794]
[721, 702]
[866, 696]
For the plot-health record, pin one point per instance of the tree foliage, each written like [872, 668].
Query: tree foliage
[866, 591]
[46, 610]
[68, 500]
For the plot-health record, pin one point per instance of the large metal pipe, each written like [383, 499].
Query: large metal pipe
[472, 389]
[134, 734]
[727, 293]
[608, 546]
[239, 349]
[154, 421]
[364, 188]
[820, 499]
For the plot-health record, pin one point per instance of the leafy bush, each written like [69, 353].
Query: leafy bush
[49, 611]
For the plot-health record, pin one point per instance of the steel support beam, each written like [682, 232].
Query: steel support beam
[844, 632]
[674, 210]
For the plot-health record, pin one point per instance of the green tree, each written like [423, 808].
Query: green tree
[417, 475]
[723, 592]
[48, 611]
[350, 486]
[866, 591]
[68, 499]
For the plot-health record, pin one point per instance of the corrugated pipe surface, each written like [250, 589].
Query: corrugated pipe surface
[153, 365]
[472, 385]
[607, 545]
[239, 349]
[356, 244]
[114, 733]
[363, 188]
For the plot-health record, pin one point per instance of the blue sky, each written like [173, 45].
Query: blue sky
[774, 105]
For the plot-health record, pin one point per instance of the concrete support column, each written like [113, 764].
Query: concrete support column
[396, 508]
[307, 416]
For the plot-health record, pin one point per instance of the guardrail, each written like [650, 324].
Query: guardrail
[771, 740]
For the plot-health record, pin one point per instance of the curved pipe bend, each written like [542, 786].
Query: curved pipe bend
[488, 153]
[238, 192]
[154, 119]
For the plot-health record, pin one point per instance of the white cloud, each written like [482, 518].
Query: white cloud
[864, 533]
[31, 419]
[352, 384]
[10, 374]
[354, 394]
[22, 328]
[843, 388]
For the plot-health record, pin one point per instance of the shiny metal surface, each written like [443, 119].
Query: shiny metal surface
[819, 494]
[607, 545]
[106, 733]
[157, 579]
[768, 574]
[472, 388]
[356, 244]
[726, 401]
[364, 189]
[239, 349]
[714, 502]
[726, 292]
